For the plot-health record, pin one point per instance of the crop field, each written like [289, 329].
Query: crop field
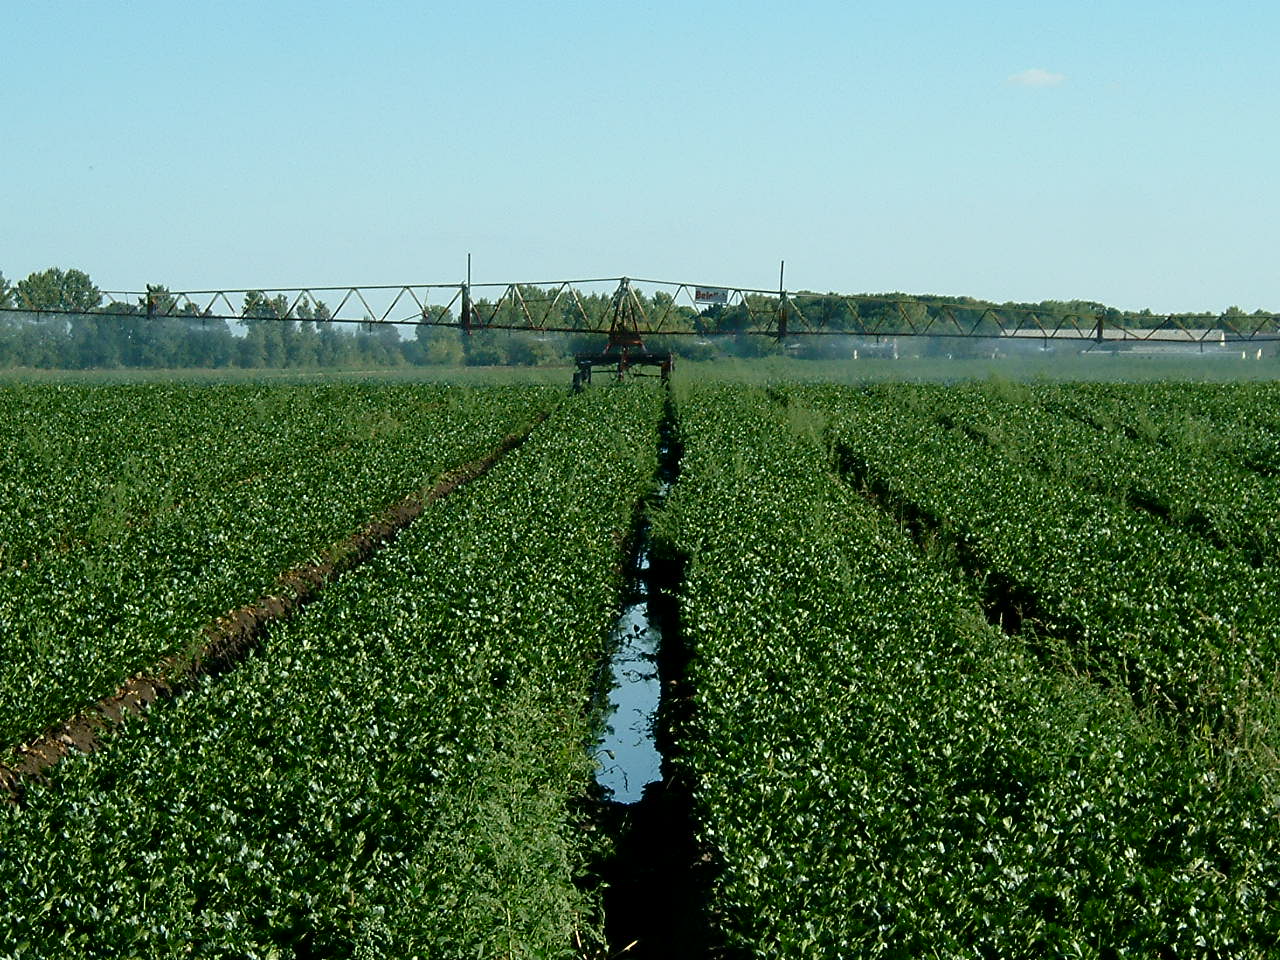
[316, 670]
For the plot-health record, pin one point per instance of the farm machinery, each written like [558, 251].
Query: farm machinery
[624, 351]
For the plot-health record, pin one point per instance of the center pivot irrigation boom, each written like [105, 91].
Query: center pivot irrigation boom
[628, 311]
[624, 349]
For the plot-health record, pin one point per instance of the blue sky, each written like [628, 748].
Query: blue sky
[1124, 151]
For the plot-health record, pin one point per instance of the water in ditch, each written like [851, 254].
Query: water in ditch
[654, 878]
[627, 756]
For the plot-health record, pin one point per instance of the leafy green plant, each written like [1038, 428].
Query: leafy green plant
[393, 774]
[878, 771]
[162, 507]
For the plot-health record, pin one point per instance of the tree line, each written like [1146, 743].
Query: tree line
[59, 319]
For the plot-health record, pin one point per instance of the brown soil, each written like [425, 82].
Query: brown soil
[228, 639]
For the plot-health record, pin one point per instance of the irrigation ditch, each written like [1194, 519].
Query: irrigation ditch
[231, 637]
[655, 880]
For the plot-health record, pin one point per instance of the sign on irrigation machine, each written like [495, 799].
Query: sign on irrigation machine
[710, 296]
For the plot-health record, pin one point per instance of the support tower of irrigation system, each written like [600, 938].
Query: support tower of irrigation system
[624, 353]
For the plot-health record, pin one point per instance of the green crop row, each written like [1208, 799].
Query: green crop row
[1238, 422]
[81, 465]
[1186, 476]
[1190, 630]
[134, 516]
[392, 774]
[878, 772]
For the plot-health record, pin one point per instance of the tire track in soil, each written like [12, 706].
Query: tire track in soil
[230, 638]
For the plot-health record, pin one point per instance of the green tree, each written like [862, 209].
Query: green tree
[6, 293]
[209, 342]
[55, 289]
[379, 345]
[159, 301]
[1263, 322]
[264, 343]
[437, 345]
[97, 342]
[483, 350]
[251, 352]
[335, 347]
[302, 345]
[519, 349]
[258, 306]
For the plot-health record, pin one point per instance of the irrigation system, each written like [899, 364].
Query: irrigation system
[629, 311]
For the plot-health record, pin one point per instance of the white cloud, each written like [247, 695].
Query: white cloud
[1037, 77]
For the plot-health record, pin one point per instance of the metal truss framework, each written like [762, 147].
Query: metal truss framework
[657, 308]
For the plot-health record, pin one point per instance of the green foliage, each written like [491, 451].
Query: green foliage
[1182, 455]
[876, 769]
[121, 537]
[258, 306]
[879, 772]
[439, 346]
[392, 775]
[57, 289]
[1187, 628]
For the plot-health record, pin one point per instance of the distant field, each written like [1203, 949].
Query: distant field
[426, 374]
[1067, 365]
[986, 664]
